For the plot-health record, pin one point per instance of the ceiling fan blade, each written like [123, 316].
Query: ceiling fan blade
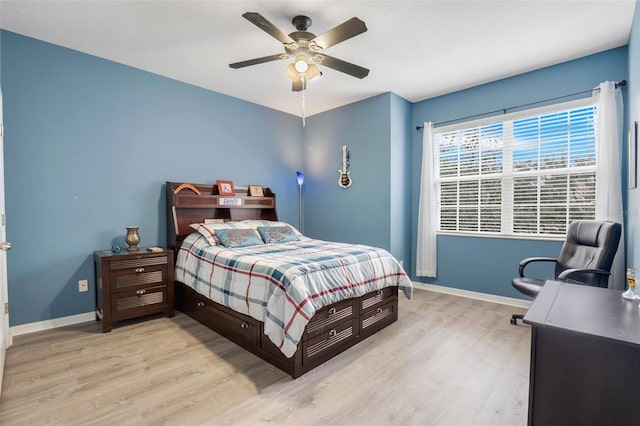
[261, 21]
[259, 60]
[342, 32]
[340, 65]
[299, 85]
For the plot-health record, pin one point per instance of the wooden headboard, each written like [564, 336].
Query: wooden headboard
[189, 203]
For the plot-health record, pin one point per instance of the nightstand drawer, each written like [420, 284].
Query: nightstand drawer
[136, 302]
[130, 279]
[140, 261]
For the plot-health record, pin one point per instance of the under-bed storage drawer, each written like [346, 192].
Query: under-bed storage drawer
[240, 328]
[378, 318]
[377, 310]
[379, 297]
[330, 342]
[329, 317]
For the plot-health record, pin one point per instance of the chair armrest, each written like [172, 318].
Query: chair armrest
[564, 275]
[528, 260]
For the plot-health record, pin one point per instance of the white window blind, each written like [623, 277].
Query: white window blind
[531, 173]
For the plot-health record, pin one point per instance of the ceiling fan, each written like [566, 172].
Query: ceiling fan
[307, 48]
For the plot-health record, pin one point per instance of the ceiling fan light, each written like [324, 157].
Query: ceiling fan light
[313, 72]
[292, 73]
[301, 63]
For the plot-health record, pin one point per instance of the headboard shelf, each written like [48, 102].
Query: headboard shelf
[185, 207]
[236, 201]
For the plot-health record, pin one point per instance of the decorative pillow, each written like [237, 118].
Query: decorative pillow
[207, 231]
[238, 237]
[208, 228]
[255, 224]
[277, 234]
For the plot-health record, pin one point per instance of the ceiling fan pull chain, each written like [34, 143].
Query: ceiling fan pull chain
[304, 114]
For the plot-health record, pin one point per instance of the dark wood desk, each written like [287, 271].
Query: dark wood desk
[585, 357]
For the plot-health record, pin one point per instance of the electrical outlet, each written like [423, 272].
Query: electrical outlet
[83, 285]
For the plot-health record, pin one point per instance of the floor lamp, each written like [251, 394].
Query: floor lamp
[300, 177]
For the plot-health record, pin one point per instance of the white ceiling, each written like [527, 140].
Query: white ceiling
[416, 49]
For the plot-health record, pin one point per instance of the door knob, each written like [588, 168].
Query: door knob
[5, 246]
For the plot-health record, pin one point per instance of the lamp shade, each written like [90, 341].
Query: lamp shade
[300, 177]
[292, 73]
[313, 72]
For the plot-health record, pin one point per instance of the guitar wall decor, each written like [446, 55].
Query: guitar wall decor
[344, 181]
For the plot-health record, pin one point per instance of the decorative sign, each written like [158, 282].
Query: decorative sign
[230, 201]
[344, 181]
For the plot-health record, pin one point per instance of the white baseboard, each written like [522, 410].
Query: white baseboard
[32, 327]
[510, 301]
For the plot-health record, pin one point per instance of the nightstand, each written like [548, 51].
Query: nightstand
[133, 284]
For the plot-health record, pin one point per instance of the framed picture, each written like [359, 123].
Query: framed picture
[256, 191]
[632, 154]
[225, 187]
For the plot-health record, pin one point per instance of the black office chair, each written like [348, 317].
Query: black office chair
[585, 258]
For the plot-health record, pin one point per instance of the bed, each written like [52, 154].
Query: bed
[295, 302]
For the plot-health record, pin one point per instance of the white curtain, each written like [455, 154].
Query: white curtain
[608, 168]
[426, 259]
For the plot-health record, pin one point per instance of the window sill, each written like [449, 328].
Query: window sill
[529, 237]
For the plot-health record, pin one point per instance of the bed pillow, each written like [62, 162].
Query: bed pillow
[256, 223]
[207, 231]
[233, 238]
[277, 234]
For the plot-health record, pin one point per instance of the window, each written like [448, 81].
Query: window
[529, 174]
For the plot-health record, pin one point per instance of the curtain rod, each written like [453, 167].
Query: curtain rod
[504, 110]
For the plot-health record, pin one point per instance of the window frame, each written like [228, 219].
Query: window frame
[507, 120]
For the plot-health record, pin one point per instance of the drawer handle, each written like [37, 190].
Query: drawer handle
[139, 270]
[332, 311]
[244, 325]
[333, 333]
[379, 293]
[200, 304]
[379, 311]
[141, 292]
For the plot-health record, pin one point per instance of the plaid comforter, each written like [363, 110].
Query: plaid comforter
[283, 285]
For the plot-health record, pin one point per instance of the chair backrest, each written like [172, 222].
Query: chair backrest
[589, 244]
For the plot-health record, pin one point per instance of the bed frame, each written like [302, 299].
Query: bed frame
[332, 329]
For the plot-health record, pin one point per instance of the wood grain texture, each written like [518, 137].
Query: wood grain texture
[446, 361]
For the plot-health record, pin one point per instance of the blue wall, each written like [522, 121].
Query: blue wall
[375, 209]
[488, 264]
[400, 180]
[633, 212]
[361, 212]
[89, 145]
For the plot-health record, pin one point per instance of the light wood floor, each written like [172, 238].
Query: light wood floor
[447, 361]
